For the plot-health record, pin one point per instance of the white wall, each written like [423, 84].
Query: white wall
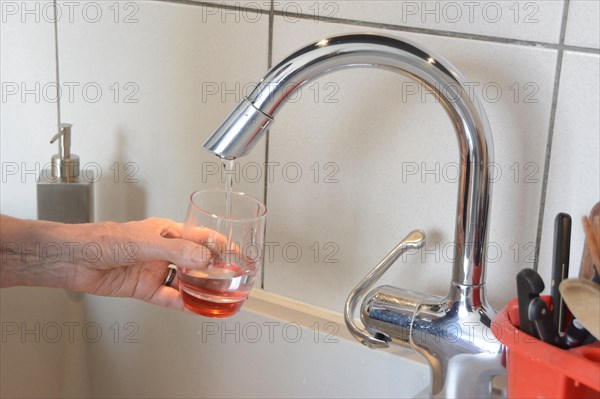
[179, 69]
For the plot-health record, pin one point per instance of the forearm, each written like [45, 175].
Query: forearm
[37, 253]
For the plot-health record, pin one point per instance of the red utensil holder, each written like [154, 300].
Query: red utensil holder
[536, 369]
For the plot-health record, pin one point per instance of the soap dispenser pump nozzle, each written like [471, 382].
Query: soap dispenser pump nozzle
[65, 165]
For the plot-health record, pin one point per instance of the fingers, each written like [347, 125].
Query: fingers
[213, 240]
[170, 229]
[160, 239]
[164, 227]
[181, 252]
[201, 235]
[196, 250]
[149, 286]
[167, 297]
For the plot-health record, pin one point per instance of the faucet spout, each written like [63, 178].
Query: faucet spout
[246, 124]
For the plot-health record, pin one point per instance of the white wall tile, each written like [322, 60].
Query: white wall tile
[178, 73]
[573, 183]
[531, 20]
[374, 133]
[27, 72]
[583, 25]
[144, 53]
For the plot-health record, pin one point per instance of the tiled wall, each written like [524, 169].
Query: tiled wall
[358, 159]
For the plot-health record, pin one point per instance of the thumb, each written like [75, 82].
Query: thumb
[184, 253]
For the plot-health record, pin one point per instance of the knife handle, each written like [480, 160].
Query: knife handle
[542, 318]
[560, 266]
[529, 286]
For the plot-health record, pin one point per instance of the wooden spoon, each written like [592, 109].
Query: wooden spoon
[583, 299]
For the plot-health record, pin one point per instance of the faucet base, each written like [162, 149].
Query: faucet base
[452, 333]
[471, 375]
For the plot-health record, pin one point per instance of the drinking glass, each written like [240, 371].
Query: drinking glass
[232, 226]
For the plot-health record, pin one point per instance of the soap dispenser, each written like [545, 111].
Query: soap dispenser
[62, 194]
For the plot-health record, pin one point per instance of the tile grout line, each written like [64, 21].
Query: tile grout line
[391, 27]
[426, 31]
[585, 50]
[200, 3]
[551, 125]
[268, 133]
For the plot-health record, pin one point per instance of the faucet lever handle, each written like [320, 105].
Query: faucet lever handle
[414, 240]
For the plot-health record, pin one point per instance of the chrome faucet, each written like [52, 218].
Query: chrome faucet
[452, 333]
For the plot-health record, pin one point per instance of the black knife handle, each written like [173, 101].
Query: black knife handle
[529, 286]
[560, 266]
[542, 318]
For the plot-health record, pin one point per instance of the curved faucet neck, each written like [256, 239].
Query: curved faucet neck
[245, 125]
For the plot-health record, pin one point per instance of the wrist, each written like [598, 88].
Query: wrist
[49, 254]
[31, 254]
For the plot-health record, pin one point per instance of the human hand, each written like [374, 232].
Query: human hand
[135, 261]
[110, 259]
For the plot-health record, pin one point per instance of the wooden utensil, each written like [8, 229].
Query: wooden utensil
[583, 299]
[591, 254]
